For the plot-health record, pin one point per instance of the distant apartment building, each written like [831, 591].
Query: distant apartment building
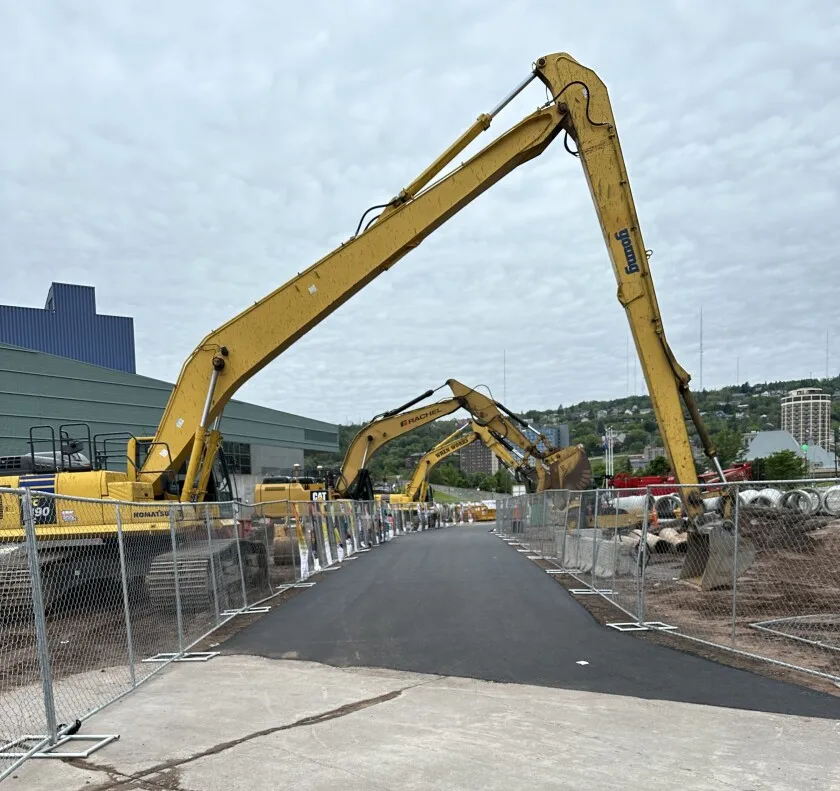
[477, 457]
[557, 436]
[651, 452]
[806, 415]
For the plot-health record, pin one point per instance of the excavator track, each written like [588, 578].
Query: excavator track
[205, 574]
[63, 567]
[15, 580]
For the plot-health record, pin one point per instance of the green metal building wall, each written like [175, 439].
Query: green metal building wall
[37, 388]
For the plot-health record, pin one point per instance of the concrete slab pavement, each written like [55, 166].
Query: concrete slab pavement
[252, 723]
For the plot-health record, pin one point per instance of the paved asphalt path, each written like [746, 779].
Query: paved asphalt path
[460, 602]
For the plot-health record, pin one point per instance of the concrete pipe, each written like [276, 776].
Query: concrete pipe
[767, 498]
[798, 500]
[631, 504]
[711, 504]
[676, 541]
[830, 498]
[814, 496]
[747, 496]
[666, 505]
[653, 542]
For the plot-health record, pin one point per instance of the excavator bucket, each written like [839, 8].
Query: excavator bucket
[571, 472]
[714, 558]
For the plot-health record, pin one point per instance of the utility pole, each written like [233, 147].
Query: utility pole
[701, 347]
[609, 453]
[826, 354]
[737, 370]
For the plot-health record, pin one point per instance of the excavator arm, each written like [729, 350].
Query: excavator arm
[417, 488]
[535, 477]
[578, 107]
[582, 98]
[354, 480]
[230, 355]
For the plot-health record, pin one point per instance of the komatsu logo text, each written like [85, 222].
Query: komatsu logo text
[422, 416]
[623, 236]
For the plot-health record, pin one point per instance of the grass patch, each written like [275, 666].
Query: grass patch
[443, 497]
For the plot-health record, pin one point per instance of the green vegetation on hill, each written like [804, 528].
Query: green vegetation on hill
[729, 413]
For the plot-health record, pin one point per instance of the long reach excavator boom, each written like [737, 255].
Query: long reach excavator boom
[418, 486]
[578, 108]
[354, 481]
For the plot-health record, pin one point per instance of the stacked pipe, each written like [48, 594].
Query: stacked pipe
[808, 501]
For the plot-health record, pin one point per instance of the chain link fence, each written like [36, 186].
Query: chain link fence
[97, 596]
[759, 575]
[466, 495]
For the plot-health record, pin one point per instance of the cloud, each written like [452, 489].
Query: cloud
[186, 159]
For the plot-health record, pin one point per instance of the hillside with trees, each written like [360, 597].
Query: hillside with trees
[729, 414]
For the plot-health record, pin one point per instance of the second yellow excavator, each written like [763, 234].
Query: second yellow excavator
[418, 489]
[550, 467]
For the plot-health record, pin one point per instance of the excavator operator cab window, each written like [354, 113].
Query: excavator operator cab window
[220, 487]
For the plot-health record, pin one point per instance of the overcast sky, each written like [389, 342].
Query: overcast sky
[186, 158]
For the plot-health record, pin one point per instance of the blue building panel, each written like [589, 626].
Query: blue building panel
[69, 326]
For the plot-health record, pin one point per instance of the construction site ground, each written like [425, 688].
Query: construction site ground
[447, 659]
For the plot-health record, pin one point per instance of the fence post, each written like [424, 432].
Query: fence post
[40, 619]
[208, 525]
[735, 565]
[595, 539]
[178, 613]
[641, 563]
[616, 544]
[126, 606]
[235, 506]
[268, 530]
[562, 554]
[545, 524]
[292, 536]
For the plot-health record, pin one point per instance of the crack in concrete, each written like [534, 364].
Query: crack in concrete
[119, 780]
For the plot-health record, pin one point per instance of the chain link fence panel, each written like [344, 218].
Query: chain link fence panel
[758, 574]
[783, 604]
[96, 596]
[24, 697]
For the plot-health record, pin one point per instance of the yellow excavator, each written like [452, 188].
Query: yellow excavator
[563, 468]
[354, 481]
[559, 468]
[181, 462]
[418, 489]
